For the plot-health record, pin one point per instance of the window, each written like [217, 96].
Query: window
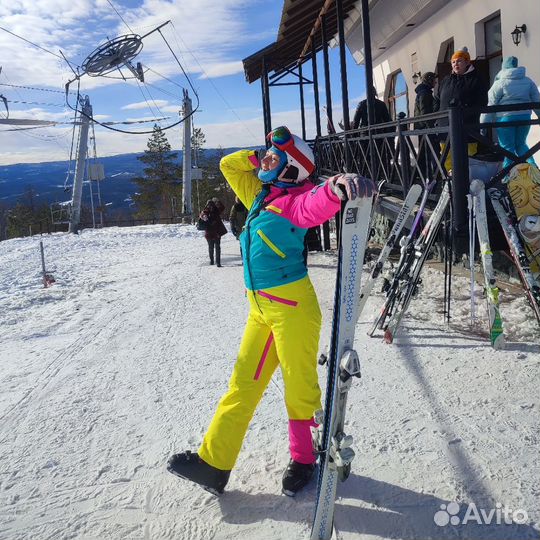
[493, 45]
[398, 99]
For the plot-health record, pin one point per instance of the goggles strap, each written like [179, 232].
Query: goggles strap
[300, 158]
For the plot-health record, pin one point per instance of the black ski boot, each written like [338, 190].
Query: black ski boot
[296, 476]
[190, 466]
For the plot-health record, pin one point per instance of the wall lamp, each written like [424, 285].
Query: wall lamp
[416, 76]
[516, 33]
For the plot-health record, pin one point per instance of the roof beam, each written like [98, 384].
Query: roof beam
[316, 26]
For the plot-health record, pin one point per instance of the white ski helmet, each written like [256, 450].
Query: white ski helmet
[298, 161]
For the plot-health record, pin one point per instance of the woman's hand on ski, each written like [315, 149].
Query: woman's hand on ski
[349, 186]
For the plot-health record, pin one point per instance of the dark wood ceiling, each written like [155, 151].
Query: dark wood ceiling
[297, 21]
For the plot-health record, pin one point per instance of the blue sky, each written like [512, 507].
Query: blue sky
[210, 38]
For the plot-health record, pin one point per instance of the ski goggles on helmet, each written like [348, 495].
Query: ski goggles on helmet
[298, 164]
[280, 137]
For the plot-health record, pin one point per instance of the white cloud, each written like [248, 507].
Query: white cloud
[205, 36]
[238, 133]
[222, 69]
[144, 104]
[77, 27]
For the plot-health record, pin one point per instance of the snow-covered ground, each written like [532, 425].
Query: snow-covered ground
[122, 361]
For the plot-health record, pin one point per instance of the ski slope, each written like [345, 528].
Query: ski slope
[122, 361]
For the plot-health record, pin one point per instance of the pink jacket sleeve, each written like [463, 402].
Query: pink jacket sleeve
[312, 207]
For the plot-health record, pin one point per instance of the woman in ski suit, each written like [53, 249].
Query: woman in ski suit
[284, 321]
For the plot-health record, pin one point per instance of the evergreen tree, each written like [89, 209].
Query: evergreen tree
[198, 140]
[28, 216]
[213, 184]
[159, 190]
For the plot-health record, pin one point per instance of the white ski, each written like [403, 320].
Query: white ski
[401, 219]
[478, 194]
[409, 278]
[332, 445]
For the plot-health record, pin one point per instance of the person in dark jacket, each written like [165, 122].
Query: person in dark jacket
[463, 87]
[238, 217]
[380, 112]
[215, 229]
[380, 116]
[423, 104]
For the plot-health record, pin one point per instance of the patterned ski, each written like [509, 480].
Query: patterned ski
[504, 213]
[406, 245]
[332, 445]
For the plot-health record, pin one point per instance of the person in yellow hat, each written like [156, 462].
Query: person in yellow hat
[464, 87]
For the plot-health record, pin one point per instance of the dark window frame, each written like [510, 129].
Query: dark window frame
[497, 53]
[393, 97]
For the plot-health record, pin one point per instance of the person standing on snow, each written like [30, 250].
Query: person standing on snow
[284, 321]
[214, 228]
[512, 86]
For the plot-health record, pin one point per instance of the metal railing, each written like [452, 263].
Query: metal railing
[401, 154]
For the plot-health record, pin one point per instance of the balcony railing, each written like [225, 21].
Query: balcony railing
[400, 154]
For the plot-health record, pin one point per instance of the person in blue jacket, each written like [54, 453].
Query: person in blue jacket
[511, 87]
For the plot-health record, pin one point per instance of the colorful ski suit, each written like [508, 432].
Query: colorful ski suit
[284, 321]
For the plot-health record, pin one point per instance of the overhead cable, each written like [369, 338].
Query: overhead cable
[31, 43]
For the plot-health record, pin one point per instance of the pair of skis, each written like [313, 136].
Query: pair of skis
[404, 283]
[408, 206]
[507, 218]
[329, 439]
[478, 220]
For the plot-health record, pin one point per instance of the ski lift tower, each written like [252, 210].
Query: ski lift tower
[86, 114]
[186, 166]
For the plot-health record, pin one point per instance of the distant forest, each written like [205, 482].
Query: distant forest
[138, 189]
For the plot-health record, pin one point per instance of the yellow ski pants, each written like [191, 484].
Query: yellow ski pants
[282, 329]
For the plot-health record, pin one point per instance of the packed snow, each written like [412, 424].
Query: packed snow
[122, 360]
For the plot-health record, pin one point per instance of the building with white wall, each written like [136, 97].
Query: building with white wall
[414, 36]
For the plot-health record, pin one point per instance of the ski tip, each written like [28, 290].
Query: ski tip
[388, 337]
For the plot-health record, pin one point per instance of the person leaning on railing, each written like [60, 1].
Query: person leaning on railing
[511, 87]
[423, 104]
[463, 87]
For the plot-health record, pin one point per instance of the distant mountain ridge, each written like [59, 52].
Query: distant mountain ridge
[47, 179]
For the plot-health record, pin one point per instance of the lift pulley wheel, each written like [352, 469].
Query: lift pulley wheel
[113, 55]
